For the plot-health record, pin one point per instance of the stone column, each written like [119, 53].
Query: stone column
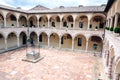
[6, 44]
[72, 44]
[111, 22]
[48, 41]
[88, 24]
[86, 46]
[18, 42]
[74, 24]
[17, 23]
[4, 21]
[38, 23]
[116, 20]
[60, 24]
[38, 40]
[59, 42]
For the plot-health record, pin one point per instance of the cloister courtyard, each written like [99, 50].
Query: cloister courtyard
[56, 65]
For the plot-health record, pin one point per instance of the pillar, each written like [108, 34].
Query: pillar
[86, 46]
[38, 40]
[88, 24]
[17, 22]
[6, 44]
[116, 20]
[60, 24]
[4, 21]
[18, 42]
[72, 44]
[111, 22]
[38, 23]
[59, 42]
[48, 41]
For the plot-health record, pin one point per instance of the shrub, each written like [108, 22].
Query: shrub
[107, 28]
[96, 27]
[117, 30]
[111, 29]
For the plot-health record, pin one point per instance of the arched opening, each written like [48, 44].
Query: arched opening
[23, 38]
[97, 22]
[54, 40]
[95, 44]
[81, 22]
[117, 71]
[43, 21]
[33, 21]
[1, 20]
[22, 21]
[55, 21]
[2, 42]
[33, 38]
[66, 41]
[43, 39]
[12, 40]
[67, 21]
[11, 20]
[80, 42]
[111, 59]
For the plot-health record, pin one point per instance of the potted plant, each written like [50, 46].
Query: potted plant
[111, 29]
[117, 31]
[107, 28]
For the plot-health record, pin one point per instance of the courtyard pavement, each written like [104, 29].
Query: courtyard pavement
[56, 65]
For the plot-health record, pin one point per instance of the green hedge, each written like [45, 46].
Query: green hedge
[117, 30]
[107, 28]
[111, 29]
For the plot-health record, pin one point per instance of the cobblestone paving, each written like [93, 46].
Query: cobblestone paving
[56, 65]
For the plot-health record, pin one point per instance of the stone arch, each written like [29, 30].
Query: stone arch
[95, 43]
[32, 21]
[67, 21]
[43, 21]
[66, 41]
[23, 38]
[11, 19]
[80, 42]
[43, 39]
[33, 38]
[54, 40]
[2, 42]
[22, 21]
[12, 40]
[97, 21]
[1, 20]
[81, 22]
[117, 71]
[55, 21]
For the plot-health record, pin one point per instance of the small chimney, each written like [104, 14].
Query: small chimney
[18, 7]
[61, 6]
[80, 6]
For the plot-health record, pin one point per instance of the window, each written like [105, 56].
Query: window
[79, 41]
[81, 24]
[90, 25]
[53, 24]
[65, 24]
[95, 46]
[40, 38]
[71, 25]
[62, 40]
